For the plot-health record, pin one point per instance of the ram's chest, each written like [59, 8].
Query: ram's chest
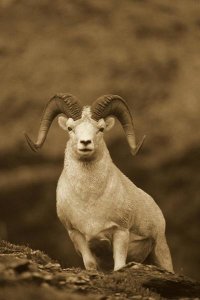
[90, 212]
[81, 216]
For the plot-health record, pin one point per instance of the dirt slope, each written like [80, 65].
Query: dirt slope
[29, 274]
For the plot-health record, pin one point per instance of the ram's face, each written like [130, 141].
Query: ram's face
[86, 135]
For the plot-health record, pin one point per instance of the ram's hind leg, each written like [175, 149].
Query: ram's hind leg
[160, 255]
[139, 249]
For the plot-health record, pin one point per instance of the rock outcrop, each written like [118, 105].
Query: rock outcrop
[29, 274]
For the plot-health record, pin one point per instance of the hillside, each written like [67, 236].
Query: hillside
[30, 274]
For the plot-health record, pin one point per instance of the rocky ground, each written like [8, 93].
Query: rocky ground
[31, 274]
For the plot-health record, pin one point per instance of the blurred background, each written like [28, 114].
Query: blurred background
[146, 51]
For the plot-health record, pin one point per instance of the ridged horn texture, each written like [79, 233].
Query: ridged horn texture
[60, 103]
[108, 105]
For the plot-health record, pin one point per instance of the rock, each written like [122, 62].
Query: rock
[134, 281]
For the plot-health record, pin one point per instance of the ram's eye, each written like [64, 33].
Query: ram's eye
[101, 129]
[69, 128]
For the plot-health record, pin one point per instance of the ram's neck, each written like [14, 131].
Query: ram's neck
[88, 177]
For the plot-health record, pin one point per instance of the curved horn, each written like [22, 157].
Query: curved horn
[115, 105]
[60, 103]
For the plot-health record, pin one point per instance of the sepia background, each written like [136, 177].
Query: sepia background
[148, 52]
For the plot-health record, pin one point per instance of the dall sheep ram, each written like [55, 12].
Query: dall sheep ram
[96, 202]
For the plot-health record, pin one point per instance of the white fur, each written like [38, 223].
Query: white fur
[96, 201]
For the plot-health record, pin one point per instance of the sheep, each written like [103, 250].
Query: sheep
[97, 204]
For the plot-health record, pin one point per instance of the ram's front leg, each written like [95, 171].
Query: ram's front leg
[120, 248]
[81, 246]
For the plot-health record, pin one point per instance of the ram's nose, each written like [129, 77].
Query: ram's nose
[85, 146]
[85, 142]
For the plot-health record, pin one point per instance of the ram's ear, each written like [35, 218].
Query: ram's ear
[110, 122]
[62, 121]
